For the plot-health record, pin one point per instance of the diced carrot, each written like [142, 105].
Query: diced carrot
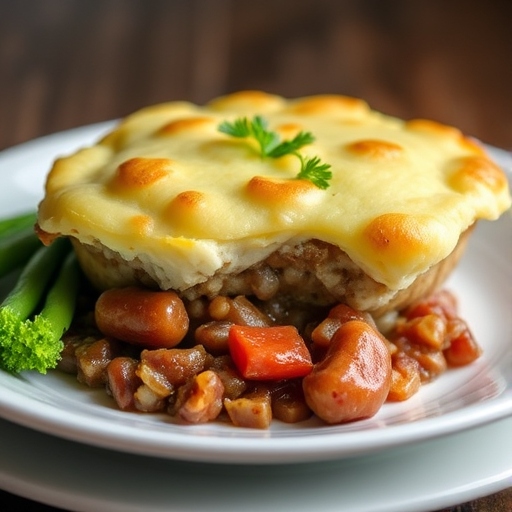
[269, 353]
[463, 348]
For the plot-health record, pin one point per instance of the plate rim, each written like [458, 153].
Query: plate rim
[491, 477]
[223, 452]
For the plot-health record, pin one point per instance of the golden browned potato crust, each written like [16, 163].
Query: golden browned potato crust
[168, 200]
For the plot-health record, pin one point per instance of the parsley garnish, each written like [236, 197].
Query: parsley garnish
[271, 146]
[314, 170]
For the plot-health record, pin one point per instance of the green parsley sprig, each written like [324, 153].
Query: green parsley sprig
[271, 146]
[314, 170]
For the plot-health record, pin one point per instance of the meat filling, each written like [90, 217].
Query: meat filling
[312, 272]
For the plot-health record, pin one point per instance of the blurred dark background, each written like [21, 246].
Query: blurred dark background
[65, 63]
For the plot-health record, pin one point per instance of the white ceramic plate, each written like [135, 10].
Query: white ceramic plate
[460, 399]
[416, 478]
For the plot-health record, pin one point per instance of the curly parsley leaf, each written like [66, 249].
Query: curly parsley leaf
[271, 146]
[255, 129]
[239, 128]
[314, 170]
[289, 147]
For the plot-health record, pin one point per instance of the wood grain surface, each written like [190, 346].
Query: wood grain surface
[68, 63]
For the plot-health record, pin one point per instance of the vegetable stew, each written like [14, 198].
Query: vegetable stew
[248, 362]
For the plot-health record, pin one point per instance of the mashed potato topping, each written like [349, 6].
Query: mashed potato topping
[167, 188]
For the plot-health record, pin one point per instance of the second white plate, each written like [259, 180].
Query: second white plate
[419, 478]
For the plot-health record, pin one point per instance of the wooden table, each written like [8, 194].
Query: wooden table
[67, 63]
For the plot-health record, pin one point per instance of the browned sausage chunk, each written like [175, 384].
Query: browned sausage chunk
[152, 319]
[353, 380]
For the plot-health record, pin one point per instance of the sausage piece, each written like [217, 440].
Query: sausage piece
[152, 319]
[353, 380]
